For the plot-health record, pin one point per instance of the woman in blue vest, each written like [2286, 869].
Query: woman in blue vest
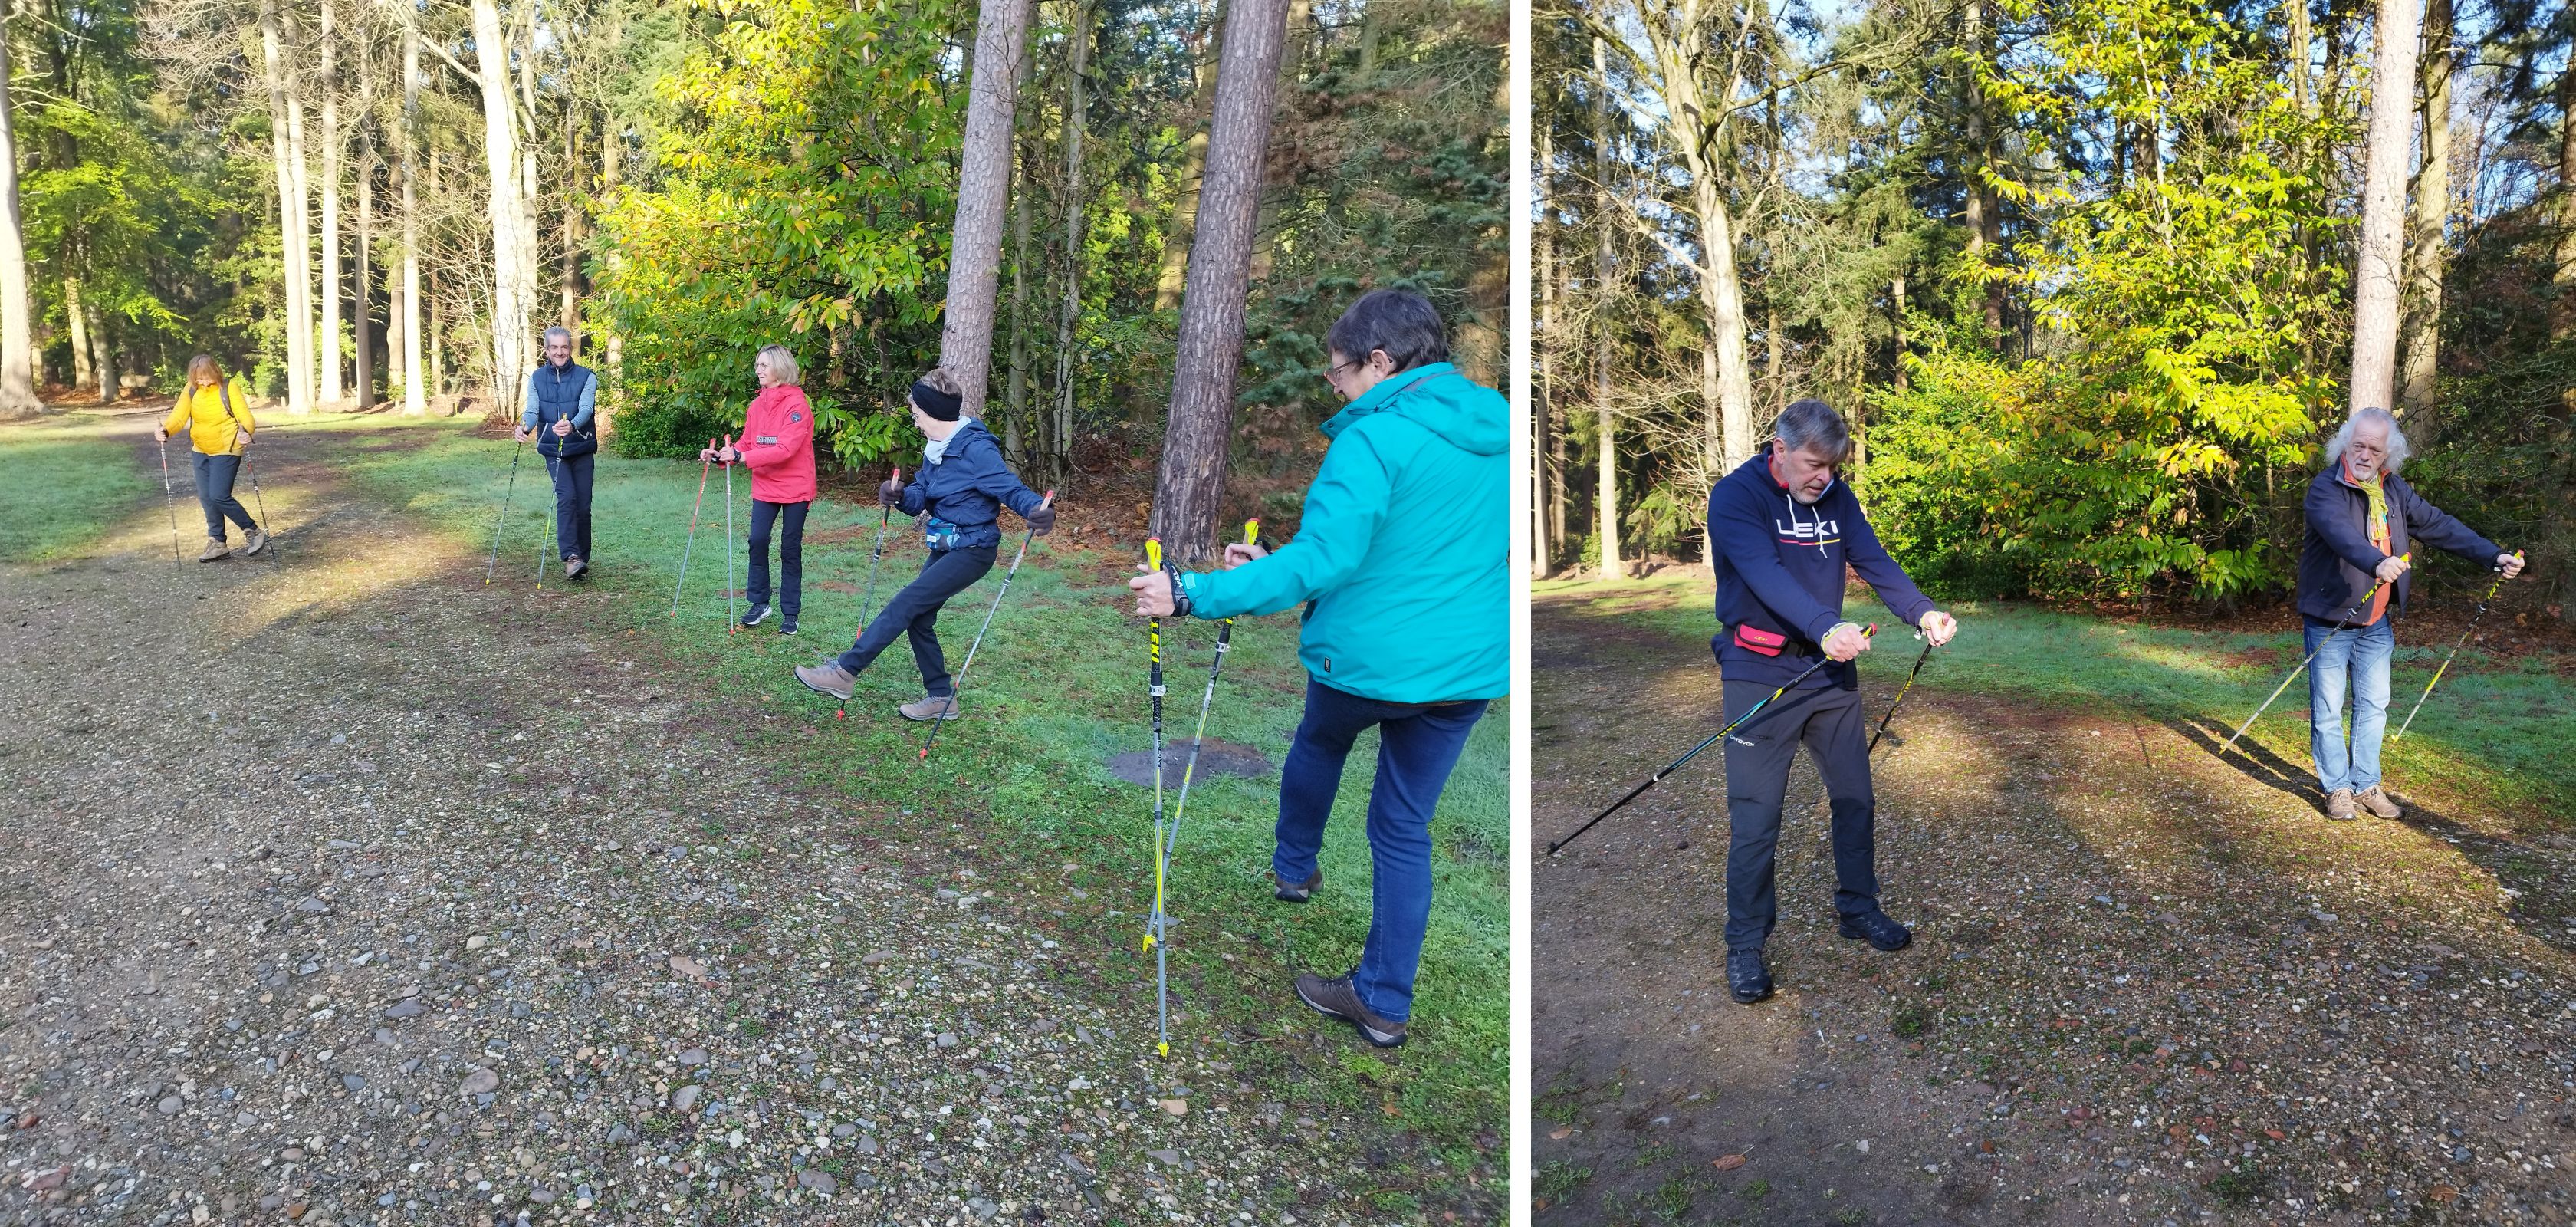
[560, 397]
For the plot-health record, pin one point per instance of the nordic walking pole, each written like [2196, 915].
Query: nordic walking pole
[1224, 633]
[1154, 922]
[170, 501]
[1900, 696]
[504, 514]
[958, 687]
[2341, 624]
[730, 625]
[692, 541]
[885, 512]
[2401, 729]
[1676, 764]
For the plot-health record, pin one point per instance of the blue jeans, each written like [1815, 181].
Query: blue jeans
[1416, 748]
[214, 476]
[2360, 655]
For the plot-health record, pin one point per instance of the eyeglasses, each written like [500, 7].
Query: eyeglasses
[1338, 367]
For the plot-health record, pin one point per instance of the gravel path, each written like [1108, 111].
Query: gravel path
[2149, 986]
[341, 889]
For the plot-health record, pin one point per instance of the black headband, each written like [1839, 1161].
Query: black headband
[938, 404]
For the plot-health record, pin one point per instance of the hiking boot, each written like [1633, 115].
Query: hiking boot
[827, 678]
[1297, 892]
[1336, 998]
[253, 541]
[1747, 979]
[931, 707]
[2377, 801]
[755, 615]
[787, 625]
[2339, 805]
[215, 549]
[576, 566]
[1878, 930]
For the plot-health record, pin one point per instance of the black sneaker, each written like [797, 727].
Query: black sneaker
[1746, 976]
[1335, 998]
[1297, 892]
[755, 615]
[787, 625]
[1875, 928]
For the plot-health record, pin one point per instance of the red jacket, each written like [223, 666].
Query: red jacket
[777, 444]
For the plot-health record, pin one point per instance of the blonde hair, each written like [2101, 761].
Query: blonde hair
[204, 362]
[782, 365]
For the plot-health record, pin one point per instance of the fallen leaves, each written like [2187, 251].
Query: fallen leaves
[1728, 1163]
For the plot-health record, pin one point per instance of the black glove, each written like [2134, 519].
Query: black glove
[890, 493]
[1042, 519]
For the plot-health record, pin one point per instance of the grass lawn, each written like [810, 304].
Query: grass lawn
[1020, 788]
[2496, 731]
[71, 483]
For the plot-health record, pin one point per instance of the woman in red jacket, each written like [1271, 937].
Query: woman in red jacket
[777, 445]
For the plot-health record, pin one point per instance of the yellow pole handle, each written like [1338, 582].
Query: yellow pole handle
[1251, 532]
[1154, 552]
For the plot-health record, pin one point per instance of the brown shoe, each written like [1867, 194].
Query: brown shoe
[1335, 998]
[931, 707]
[827, 678]
[2377, 801]
[215, 550]
[2339, 805]
[1296, 892]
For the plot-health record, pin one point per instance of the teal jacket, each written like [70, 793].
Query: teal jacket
[1403, 558]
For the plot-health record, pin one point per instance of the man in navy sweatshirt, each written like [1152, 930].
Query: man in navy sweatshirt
[1782, 528]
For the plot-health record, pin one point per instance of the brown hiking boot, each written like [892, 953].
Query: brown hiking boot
[1335, 998]
[2339, 805]
[253, 541]
[931, 707]
[1296, 892]
[827, 678]
[2377, 801]
[215, 549]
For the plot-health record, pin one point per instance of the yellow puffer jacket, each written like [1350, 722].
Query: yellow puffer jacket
[200, 411]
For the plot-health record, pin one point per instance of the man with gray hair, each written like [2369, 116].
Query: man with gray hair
[2363, 521]
[1781, 529]
[560, 397]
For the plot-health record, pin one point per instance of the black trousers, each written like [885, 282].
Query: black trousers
[790, 518]
[1830, 723]
[915, 612]
[572, 504]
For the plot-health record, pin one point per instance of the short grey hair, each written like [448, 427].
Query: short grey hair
[558, 331]
[1402, 323]
[1812, 425]
[782, 365]
[2398, 451]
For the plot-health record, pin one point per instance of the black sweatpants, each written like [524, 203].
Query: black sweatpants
[572, 503]
[915, 611]
[1830, 723]
[790, 519]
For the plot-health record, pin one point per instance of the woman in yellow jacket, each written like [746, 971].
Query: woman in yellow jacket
[216, 414]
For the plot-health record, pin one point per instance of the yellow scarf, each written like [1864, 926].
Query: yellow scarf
[2377, 492]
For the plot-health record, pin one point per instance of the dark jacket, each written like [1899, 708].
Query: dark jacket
[969, 486]
[1779, 570]
[2337, 562]
[556, 394]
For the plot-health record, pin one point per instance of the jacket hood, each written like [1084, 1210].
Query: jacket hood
[1468, 415]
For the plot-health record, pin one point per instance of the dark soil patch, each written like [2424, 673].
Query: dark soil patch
[1215, 758]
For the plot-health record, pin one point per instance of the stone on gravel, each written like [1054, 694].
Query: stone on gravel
[685, 1098]
[819, 1181]
[480, 1082]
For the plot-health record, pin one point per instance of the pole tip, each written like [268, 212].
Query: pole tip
[1163, 1049]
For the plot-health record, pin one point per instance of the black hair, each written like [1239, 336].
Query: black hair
[1401, 322]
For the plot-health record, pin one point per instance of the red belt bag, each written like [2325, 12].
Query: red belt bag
[1755, 639]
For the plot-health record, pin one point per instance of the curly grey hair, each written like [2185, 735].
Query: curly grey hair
[2397, 448]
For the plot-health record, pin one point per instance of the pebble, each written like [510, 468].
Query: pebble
[685, 1098]
[819, 1181]
[170, 1105]
[693, 1056]
[480, 1082]
[353, 1082]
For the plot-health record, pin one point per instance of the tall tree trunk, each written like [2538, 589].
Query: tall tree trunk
[983, 193]
[2561, 561]
[512, 275]
[17, 315]
[283, 156]
[1076, 87]
[362, 283]
[1985, 213]
[76, 317]
[2432, 195]
[1210, 345]
[1015, 444]
[568, 308]
[1543, 402]
[328, 336]
[612, 158]
[1185, 195]
[1605, 510]
[1896, 293]
[435, 308]
[111, 373]
[2376, 274]
[414, 378]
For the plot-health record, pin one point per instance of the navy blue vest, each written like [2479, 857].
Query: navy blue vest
[558, 396]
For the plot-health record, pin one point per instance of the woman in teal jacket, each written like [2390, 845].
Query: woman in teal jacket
[1402, 563]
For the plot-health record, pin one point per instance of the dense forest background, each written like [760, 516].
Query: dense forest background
[2080, 271]
[331, 195]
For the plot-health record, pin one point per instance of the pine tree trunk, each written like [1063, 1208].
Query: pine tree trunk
[1069, 320]
[1191, 485]
[1543, 400]
[1605, 511]
[111, 374]
[511, 273]
[362, 285]
[2377, 272]
[983, 194]
[283, 156]
[1985, 220]
[1185, 196]
[2432, 197]
[76, 317]
[1015, 445]
[414, 377]
[328, 337]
